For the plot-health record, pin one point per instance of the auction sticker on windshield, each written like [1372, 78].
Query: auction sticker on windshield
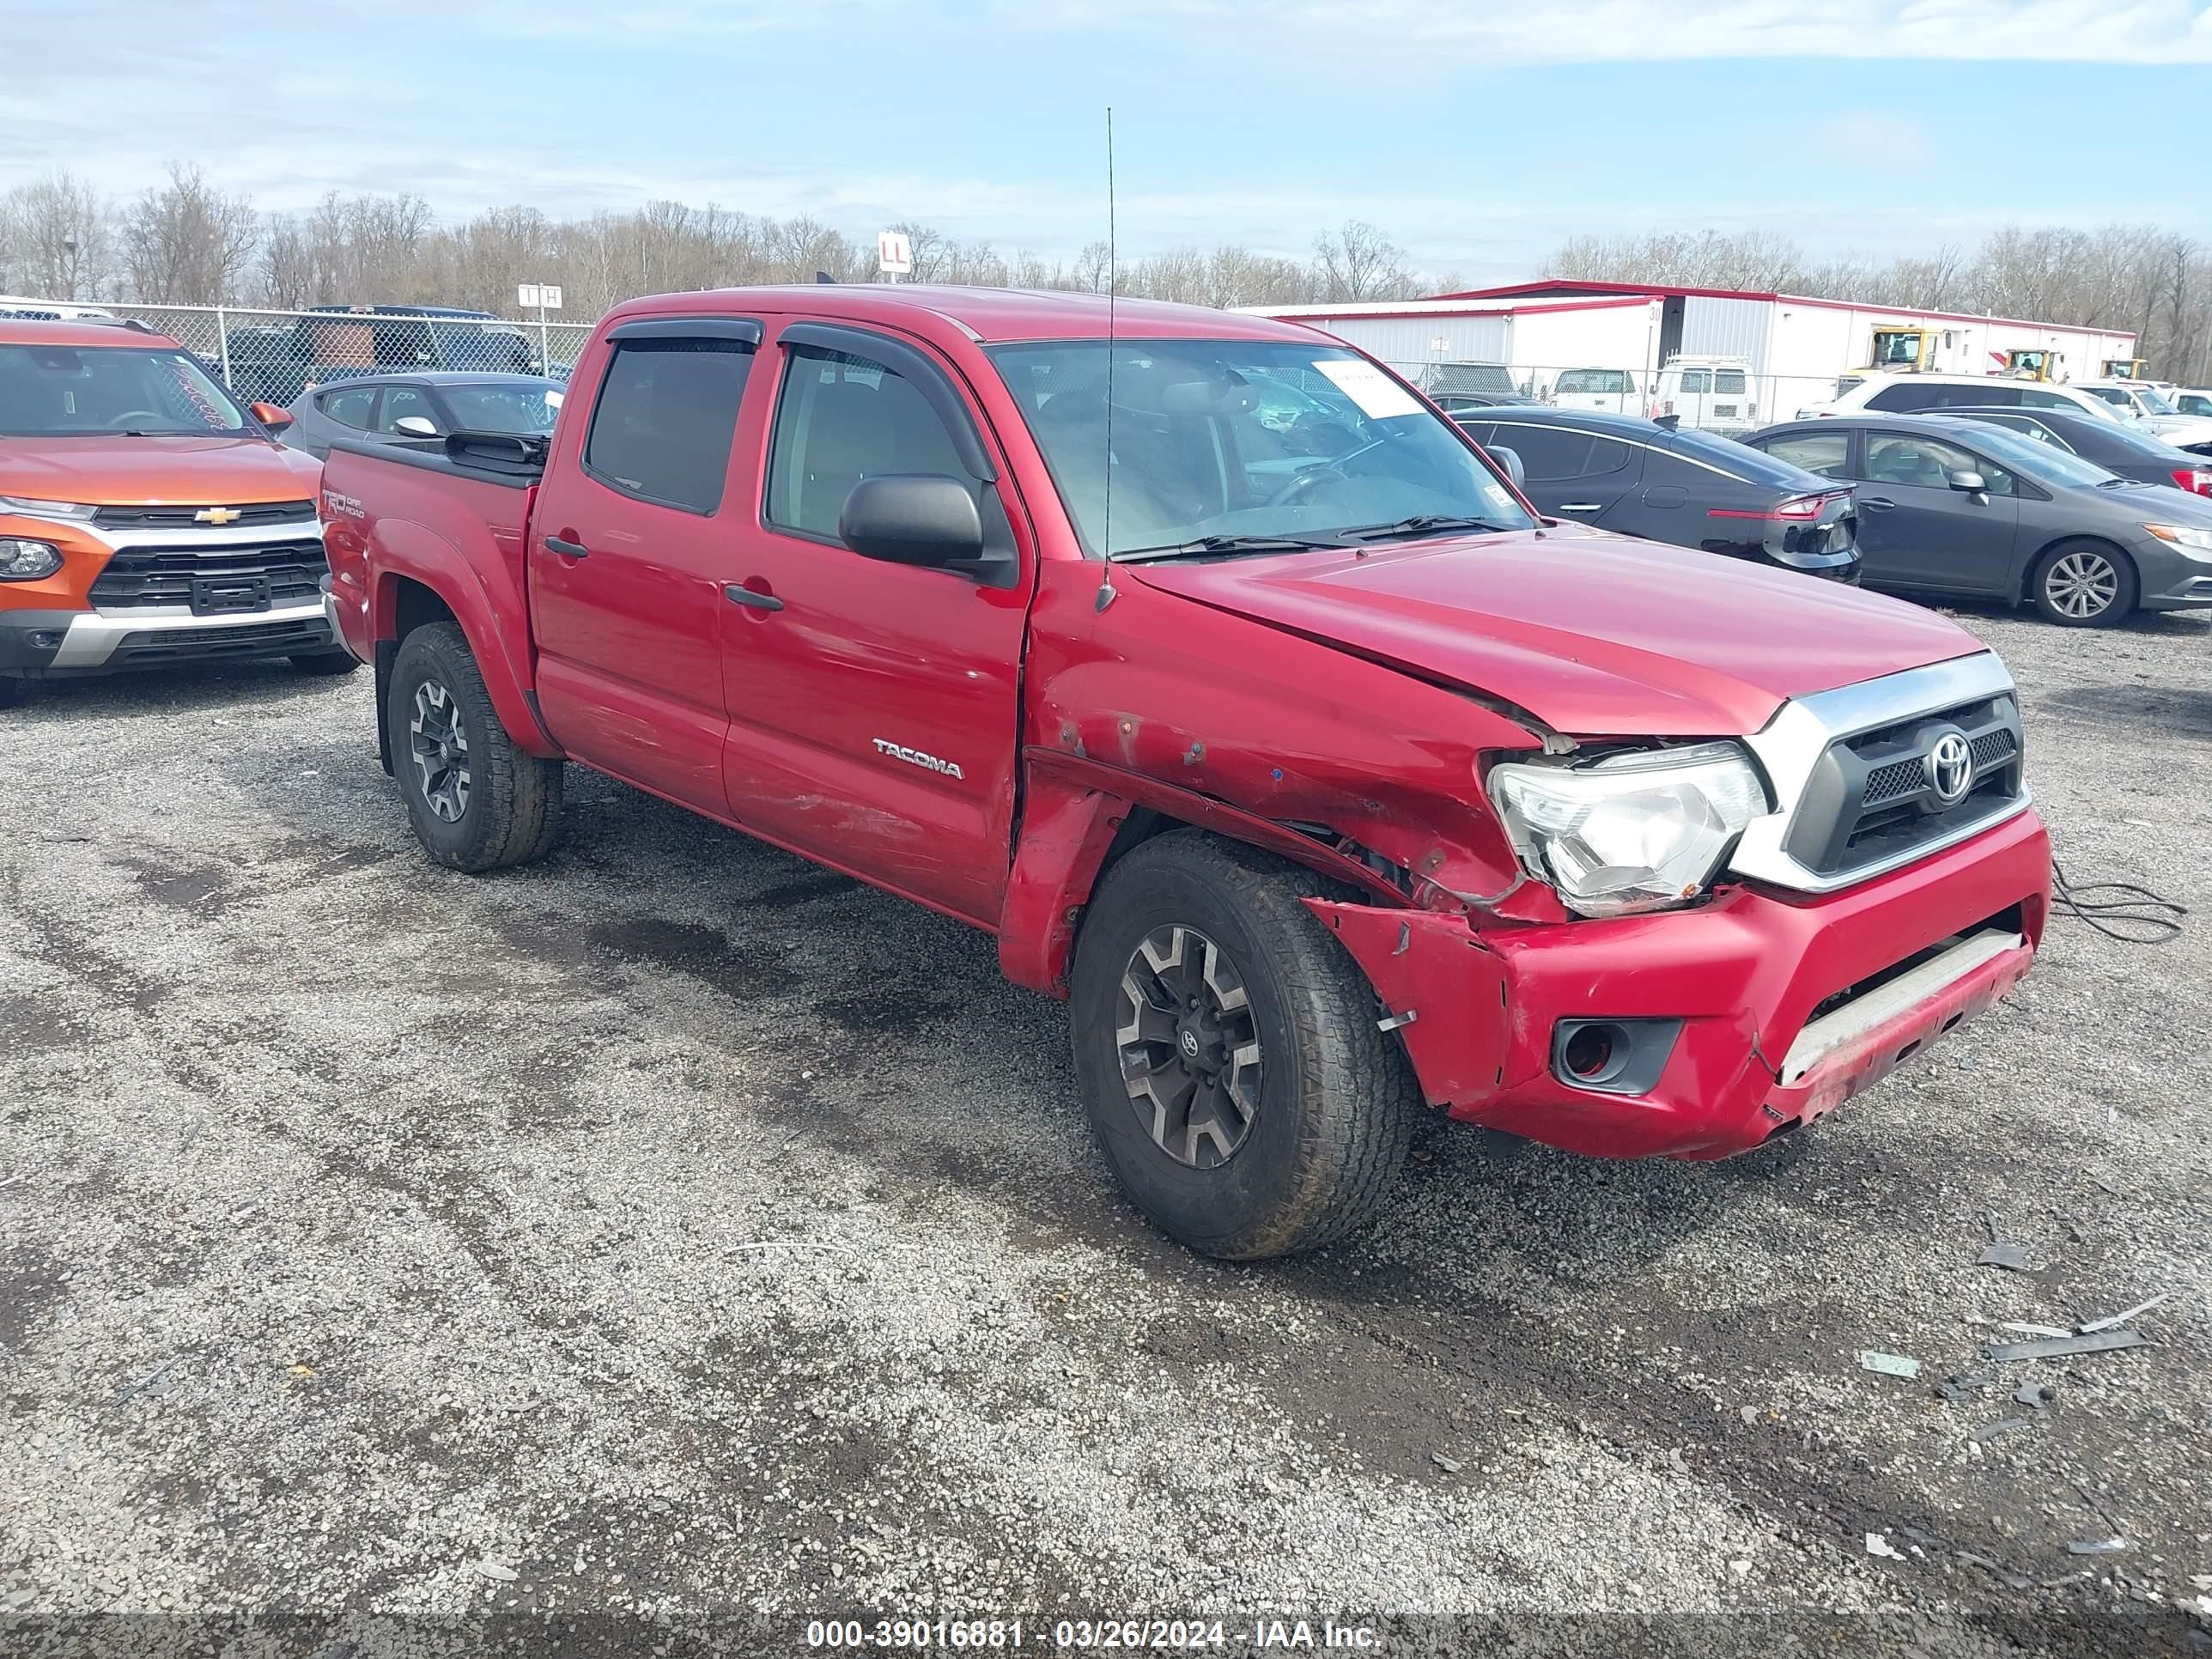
[1378, 395]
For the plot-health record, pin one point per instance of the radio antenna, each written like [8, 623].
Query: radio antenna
[1113, 281]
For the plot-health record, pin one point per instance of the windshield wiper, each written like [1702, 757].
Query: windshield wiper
[1422, 524]
[2117, 482]
[1228, 544]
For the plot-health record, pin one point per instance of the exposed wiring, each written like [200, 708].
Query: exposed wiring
[2118, 909]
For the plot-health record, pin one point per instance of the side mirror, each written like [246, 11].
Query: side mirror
[416, 426]
[270, 416]
[912, 518]
[1510, 460]
[1971, 483]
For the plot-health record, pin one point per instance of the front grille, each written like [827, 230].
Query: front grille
[161, 517]
[287, 572]
[1872, 797]
[250, 639]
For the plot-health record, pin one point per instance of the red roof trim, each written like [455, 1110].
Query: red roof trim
[1312, 319]
[1565, 285]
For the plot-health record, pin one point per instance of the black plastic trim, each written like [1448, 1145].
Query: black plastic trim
[744, 329]
[17, 654]
[919, 371]
[1650, 1044]
[479, 469]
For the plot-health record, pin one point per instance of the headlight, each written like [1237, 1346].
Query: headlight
[1636, 831]
[77, 511]
[2183, 535]
[26, 562]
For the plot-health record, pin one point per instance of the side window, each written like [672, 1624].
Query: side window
[2032, 398]
[1828, 453]
[1606, 456]
[403, 400]
[2112, 395]
[350, 407]
[1907, 394]
[1729, 381]
[1483, 432]
[1547, 452]
[1697, 379]
[1927, 464]
[666, 414]
[840, 419]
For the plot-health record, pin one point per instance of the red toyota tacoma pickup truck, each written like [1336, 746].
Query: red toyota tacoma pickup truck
[1277, 732]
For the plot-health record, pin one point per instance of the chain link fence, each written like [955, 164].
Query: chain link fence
[1715, 395]
[272, 356]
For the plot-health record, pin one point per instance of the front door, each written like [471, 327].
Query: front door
[874, 706]
[1570, 473]
[1915, 531]
[630, 545]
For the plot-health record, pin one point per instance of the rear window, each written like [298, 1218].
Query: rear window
[1741, 460]
[1697, 379]
[666, 412]
[1729, 381]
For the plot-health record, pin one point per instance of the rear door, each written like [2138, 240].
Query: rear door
[1570, 473]
[631, 541]
[1915, 531]
[874, 706]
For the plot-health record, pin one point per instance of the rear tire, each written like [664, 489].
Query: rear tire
[477, 801]
[2084, 584]
[320, 663]
[1241, 1159]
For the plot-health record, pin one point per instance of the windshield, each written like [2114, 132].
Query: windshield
[1240, 438]
[519, 406]
[2152, 400]
[2041, 462]
[77, 391]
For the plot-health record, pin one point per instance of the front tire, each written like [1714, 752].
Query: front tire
[2083, 584]
[1227, 1051]
[477, 801]
[13, 690]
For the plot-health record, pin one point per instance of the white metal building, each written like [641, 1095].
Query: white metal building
[1795, 348]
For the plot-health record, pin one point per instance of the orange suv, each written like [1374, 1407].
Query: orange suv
[146, 518]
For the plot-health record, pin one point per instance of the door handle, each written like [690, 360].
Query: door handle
[1581, 507]
[745, 596]
[1879, 503]
[567, 550]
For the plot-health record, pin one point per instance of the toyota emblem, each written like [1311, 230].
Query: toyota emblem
[1950, 768]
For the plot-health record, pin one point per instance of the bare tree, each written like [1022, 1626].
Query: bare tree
[1360, 262]
[55, 239]
[187, 241]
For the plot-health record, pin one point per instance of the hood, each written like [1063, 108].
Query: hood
[1596, 635]
[218, 470]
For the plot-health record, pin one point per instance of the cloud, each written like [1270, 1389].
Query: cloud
[1649, 31]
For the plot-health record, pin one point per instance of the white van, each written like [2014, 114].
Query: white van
[1603, 390]
[1714, 394]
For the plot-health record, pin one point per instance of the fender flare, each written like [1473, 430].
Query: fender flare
[506, 670]
[1073, 809]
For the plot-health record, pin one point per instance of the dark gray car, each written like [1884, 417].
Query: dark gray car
[1653, 479]
[1953, 506]
[2127, 450]
[397, 408]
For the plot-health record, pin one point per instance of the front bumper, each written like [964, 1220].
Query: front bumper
[1746, 975]
[2170, 579]
[61, 644]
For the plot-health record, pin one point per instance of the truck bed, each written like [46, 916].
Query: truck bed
[430, 510]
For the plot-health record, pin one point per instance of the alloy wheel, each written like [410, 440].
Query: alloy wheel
[1188, 1046]
[438, 741]
[2082, 584]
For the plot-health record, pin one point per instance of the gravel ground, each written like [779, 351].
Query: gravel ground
[675, 1231]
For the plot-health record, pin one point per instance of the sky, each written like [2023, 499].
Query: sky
[1477, 135]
